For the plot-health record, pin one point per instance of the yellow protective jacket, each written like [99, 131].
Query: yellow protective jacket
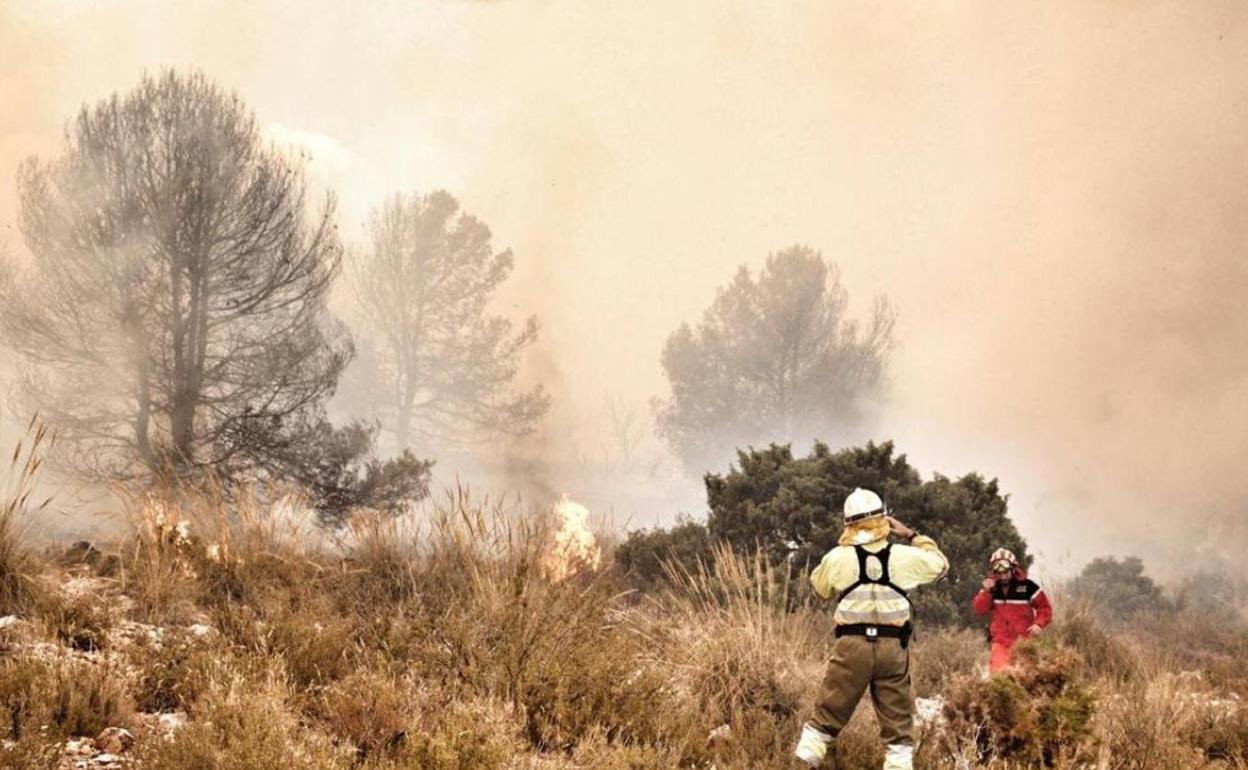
[908, 566]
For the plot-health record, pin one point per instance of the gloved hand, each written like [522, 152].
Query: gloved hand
[900, 530]
[1034, 630]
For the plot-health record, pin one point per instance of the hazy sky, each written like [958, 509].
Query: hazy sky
[1052, 194]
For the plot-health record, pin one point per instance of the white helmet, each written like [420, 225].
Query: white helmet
[1002, 560]
[862, 503]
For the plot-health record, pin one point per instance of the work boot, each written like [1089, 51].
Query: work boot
[813, 749]
[898, 756]
[827, 763]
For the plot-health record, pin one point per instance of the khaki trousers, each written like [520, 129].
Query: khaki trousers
[857, 665]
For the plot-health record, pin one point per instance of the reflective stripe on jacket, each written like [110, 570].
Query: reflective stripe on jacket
[909, 566]
[1016, 605]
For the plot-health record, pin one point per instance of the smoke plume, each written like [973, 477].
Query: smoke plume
[1051, 195]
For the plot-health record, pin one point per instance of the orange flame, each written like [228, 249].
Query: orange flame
[575, 547]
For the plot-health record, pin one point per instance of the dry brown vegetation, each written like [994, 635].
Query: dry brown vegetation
[449, 646]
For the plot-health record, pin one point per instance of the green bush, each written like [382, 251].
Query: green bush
[1215, 593]
[643, 558]
[1118, 588]
[790, 508]
[1038, 712]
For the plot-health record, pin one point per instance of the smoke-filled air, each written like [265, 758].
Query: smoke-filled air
[519, 384]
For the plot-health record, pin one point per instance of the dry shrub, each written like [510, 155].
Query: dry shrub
[599, 752]
[456, 731]
[261, 579]
[89, 697]
[1214, 644]
[175, 671]
[249, 559]
[941, 655]
[591, 677]
[31, 752]
[397, 638]
[741, 656]
[158, 563]
[858, 746]
[1103, 654]
[382, 564]
[69, 697]
[201, 543]
[1219, 731]
[477, 608]
[315, 644]
[80, 621]
[1140, 728]
[242, 724]
[368, 710]
[17, 563]
[1171, 720]
[490, 608]
[1038, 712]
[23, 695]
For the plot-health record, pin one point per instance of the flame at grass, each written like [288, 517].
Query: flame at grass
[575, 547]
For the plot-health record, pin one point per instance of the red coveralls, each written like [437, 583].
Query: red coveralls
[1016, 605]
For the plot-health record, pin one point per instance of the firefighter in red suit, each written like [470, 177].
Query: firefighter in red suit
[1018, 606]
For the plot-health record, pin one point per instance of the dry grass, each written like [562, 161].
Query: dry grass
[942, 655]
[61, 697]
[243, 723]
[451, 645]
[17, 508]
[740, 655]
[80, 621]
[177, 671]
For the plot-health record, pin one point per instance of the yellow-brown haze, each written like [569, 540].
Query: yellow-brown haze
[1051, 194]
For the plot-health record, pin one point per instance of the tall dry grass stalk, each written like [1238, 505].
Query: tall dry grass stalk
[745, 596]
[17, 510]
[744, 649]
[201, 538]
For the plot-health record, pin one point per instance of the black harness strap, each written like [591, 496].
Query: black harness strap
[885, 578]
[873, 632]
[868, 630]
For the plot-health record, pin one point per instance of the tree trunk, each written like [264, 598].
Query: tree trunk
[403, 430]
[142, 371]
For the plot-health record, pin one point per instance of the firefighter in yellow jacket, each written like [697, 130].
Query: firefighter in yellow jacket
[870, 578]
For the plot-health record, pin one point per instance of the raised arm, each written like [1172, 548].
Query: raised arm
[916, 564]
[982, 602]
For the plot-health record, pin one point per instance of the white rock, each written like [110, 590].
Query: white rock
[9, 620]
[172, 721]
[928, 710]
